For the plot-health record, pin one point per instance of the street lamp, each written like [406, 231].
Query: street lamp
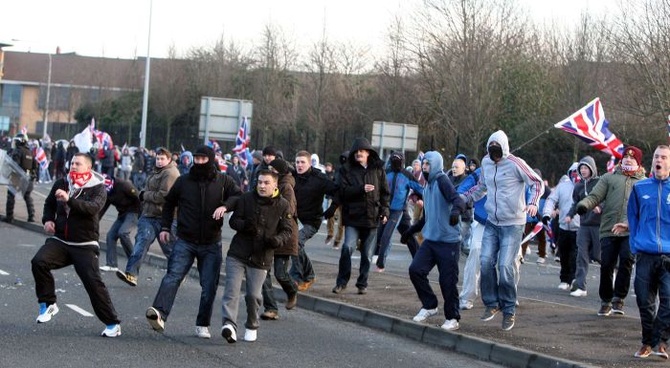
[145, 98]
[46, 104]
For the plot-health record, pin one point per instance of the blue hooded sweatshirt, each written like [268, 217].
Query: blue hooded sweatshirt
[440, 203]
[649, 216]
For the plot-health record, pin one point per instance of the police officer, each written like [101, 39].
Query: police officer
[23, 156]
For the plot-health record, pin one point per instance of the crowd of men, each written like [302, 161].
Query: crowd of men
[487, 212]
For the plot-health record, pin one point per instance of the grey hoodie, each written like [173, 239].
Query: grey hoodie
[582, 189]
[504, 184]
[561, 198]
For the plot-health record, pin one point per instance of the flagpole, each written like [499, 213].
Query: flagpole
[530, 140]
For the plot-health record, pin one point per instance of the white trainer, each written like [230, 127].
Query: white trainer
[203, 332]
[579, 293]
[564, 286]
[46, 312]
[228, 333]
[112, 331]
[450, 325]
[541, 260]
[424, 314]
[250, 335]
[108, 268]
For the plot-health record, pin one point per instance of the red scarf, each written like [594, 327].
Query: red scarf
[80, 179]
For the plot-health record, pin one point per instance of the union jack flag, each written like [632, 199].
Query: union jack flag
[243, 137]
[41, 157]
[611, 164]
[589, 124]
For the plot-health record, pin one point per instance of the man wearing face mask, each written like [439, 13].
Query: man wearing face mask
[202, 196]
[612, 191]
[503, 180]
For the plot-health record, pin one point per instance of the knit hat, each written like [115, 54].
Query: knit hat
[633, 152]
[280, 165]
[205, 151]
[269, 150]
[257, 155]
[461, 156]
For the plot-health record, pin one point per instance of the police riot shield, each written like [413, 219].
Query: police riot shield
[12, 175]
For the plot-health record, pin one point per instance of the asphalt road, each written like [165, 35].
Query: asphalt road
[300, 339]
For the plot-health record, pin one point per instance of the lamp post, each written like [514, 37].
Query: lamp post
[145, 98]
[46, 102]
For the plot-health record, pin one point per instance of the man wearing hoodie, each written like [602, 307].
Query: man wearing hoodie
[561, 199]
[503, 180]
[185, 162]
[149, 224]
[588, 244]
[71, 216]
[364, 195]
[441, 244]
[202, 197]
[613, 190]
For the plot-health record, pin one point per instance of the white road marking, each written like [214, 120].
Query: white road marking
[3, 273]
[79, 310]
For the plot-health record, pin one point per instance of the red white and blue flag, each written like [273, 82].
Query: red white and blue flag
[41, 157]
[243, 137]
[589, 124]
[611, 164]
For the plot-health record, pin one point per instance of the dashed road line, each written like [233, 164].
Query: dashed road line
[79, 310]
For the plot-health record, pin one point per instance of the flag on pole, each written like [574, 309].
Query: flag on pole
[589, 124]
[243, 137]
[41, 157]
[536, 230]
[611, 164]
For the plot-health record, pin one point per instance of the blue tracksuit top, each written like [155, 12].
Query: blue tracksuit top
[469, 182]
[404, 182]
[649, 216]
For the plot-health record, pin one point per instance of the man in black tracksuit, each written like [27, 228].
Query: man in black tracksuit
[202, 197]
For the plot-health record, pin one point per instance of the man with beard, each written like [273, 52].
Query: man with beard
[202, 197]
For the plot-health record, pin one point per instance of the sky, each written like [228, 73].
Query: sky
[119, 29]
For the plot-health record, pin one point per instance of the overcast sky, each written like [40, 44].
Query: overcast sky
[120, 28]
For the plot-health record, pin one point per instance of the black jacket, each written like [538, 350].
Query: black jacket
[310, 188]
[262, 225]
[76, 222]
[286, 187]
[195, 202]
[124, 197]
[361, 209]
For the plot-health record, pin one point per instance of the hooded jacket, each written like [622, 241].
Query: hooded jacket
[183, 168]
[561, 198]
[77, 221]
[310, 187]
[612, 190]
[286, 187]
[157, 187]
[648, 216]
[439, 205]
[582, 189]
[504, 184]
[124, 197]
[361, 209]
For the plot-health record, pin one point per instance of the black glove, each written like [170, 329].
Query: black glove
[141, 195]
[581, 209]
[545, 220]
[404, 238]
[453, 219]
[330, 212]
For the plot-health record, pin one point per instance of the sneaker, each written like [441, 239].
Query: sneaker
[564, 286]
[46, 312]
[228, 333]
[573, 285]
[112, 331]
[508, 322]
[450, 325]
[424, 314]
[128, 278]
[557, 259]
[203, 332]
[528, 251]
[338, 289]
[362, 290]
[270, 315]
[605, 310]
[579, 293]
[108, 268]
[489, 313]
[661, 350]
[155, 320]
[292, 301]
[329, 238]
[541, 260]
[250, 335]
[304, 286]
[645, 351]
[8, 219]
[466, 305]
[31, 219]
[336, 246]
[374, 259]
[379, 269]
[617, 307]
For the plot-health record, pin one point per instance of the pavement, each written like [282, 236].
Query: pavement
[547, 333]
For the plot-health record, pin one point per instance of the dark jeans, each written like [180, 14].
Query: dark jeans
[401, 221]
[209, 257]
[55, 255]
[148, 229]
[615, 248]
[120, 230]
[280, 266]
[351, 236]
[301, 265]
[567, 250]
[445, 256]
[30, 207]
[652, 280]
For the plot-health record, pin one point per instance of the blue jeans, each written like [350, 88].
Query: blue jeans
[367, 237]
[148, 229]
[500, 249]
[397, 220]
[445, 256]
[651, 280]
[209, 257]
[120, 230]
[238, 272]
[301, 265]
[615, 248]
[280, 266]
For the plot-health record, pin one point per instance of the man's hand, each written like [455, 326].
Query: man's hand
[164, 237]
[531, 210]
[219, 212]
[567, 219]
[50, 227]
[545, 220]
[384, 220]
[619, 228]
[597, 210]
[62, 195]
